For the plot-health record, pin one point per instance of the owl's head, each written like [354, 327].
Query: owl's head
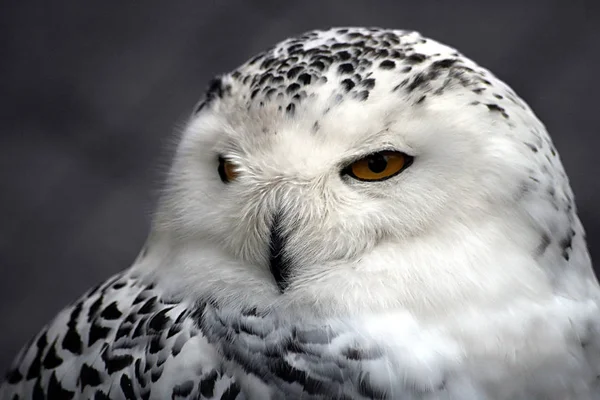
[369, 168]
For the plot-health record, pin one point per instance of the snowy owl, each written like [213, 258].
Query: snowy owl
[354, 213]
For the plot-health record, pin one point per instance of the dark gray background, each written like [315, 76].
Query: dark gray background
[90, 97]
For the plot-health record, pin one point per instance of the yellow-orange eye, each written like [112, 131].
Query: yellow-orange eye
[227, 170]
[379, 166]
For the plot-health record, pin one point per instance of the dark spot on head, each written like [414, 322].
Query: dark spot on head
[337, 46]
[368, 83]
[531, 147]
[292, 88]
[304, 78]
[446, 63]
[545, 241]
[387, 64]
[381, 53]
[418, 80]
[270, 93]
[566, 242]
[214, 90]
[318, 65]
[295, 48]
[495, 108]
[345, 68]
[362, 95]
[290, 109]
[120, 285]
[348, 84]
[416, 58]
[264, 78]
[343, 55]
[293, 72]
[257, 57]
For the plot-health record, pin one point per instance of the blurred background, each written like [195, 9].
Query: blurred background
[92, 94]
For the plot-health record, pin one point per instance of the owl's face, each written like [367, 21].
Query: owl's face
[372, 180]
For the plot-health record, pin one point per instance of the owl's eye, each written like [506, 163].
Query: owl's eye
[226, 170]
[378, 166]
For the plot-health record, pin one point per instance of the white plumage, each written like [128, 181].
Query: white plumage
[276, 269]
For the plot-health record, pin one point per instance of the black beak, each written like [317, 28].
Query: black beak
[278, 262]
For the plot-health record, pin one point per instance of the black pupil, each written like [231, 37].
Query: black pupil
[377, 163]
